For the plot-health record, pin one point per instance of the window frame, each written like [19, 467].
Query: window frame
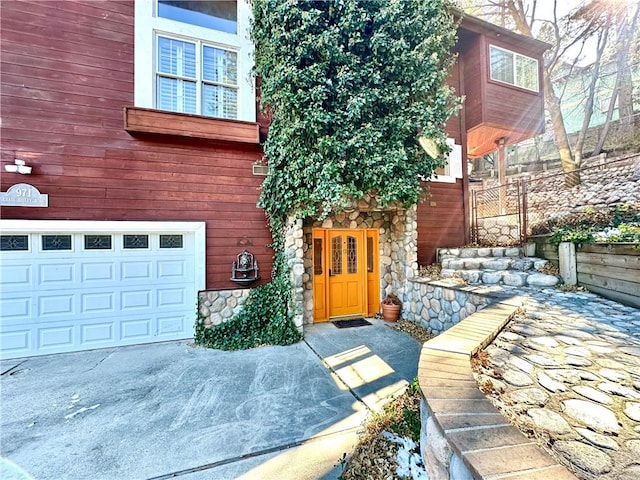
[453, 168]
[514, 64]
[148, 26]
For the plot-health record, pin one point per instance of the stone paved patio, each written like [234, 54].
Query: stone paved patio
[567, 371]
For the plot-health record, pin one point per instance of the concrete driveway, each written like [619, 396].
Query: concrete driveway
[171, 410]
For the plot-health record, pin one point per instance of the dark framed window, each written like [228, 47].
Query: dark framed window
[135, 241]
[56, 242]
[171, 241]
[97, 242]
[512, 68]
[14, 242]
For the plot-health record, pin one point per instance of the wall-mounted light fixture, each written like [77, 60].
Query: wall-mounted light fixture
[18, 167]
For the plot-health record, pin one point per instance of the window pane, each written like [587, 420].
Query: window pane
[176, 57]
[97, 242]
[135, 241]
[14, 242]
[352, 255]
[56, 242]
[220, 66]
[336, 255]
[501, 65]
[176, 95]
[370, 254]
[219, 15]
[317, 256]
[527, 73]
[170, 241]
[219, 101]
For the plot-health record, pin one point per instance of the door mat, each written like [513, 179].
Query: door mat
[354, 322]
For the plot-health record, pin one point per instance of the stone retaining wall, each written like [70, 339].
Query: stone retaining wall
[438, 305]
[217, 306]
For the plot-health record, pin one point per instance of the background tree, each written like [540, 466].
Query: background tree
[592, 21]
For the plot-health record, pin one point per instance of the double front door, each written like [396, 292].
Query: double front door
[346, 275]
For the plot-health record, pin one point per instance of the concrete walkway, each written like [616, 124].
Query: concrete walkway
[569, 371]
[170, 410]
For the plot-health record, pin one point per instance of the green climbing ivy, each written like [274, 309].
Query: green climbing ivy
[351, 85]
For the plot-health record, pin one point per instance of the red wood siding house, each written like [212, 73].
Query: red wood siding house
[122, 175]
[491, 110]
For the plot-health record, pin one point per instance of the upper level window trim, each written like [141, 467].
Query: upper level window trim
[513, 68]
[149, 27]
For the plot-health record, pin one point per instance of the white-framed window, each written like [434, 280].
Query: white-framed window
[513, 68]
[194, 57]
[453, 168]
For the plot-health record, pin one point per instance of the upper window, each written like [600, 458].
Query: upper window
[194, 57]
[192, 77]
[513, 68]
[219, 15]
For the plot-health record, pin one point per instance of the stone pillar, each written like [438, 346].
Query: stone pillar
[294, 251]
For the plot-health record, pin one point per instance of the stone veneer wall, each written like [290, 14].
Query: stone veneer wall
[217, 306]
[398, 235]
[438, 306]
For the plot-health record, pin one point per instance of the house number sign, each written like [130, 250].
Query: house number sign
[24, 195]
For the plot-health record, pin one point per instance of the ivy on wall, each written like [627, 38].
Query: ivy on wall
[351, 85]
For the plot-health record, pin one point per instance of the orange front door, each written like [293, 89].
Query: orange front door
[346, 262]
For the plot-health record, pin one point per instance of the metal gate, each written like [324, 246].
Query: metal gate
[498, 214]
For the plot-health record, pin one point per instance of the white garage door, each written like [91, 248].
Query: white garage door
[69, 286]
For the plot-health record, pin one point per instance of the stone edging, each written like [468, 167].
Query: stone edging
[463, 436]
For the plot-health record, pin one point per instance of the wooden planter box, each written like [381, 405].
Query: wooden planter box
[608, 269]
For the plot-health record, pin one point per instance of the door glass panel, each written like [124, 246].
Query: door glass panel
[317, 256]
[352, 255]
[369, 254]
[336, 255]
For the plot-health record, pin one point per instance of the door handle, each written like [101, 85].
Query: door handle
[330, 273]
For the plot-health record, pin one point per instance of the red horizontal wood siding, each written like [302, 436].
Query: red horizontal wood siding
[441, 220]
[66, 73]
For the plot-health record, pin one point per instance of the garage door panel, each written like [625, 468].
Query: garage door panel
[56, 338]
[98, 334]
[16, 343]
[136, 329]
[16, 276]
[57, 275]
[172, 297]
[15, 310]
[98, 272]
[172, 269]
[54, 301]
[134, 270]
[98, 303]
[170, 325]
[133, 300]
[55, 306]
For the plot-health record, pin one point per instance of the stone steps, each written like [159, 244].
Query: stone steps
[495, 266]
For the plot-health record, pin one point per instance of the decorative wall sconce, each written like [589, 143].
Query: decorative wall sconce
[19, 166]
[245, 269]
